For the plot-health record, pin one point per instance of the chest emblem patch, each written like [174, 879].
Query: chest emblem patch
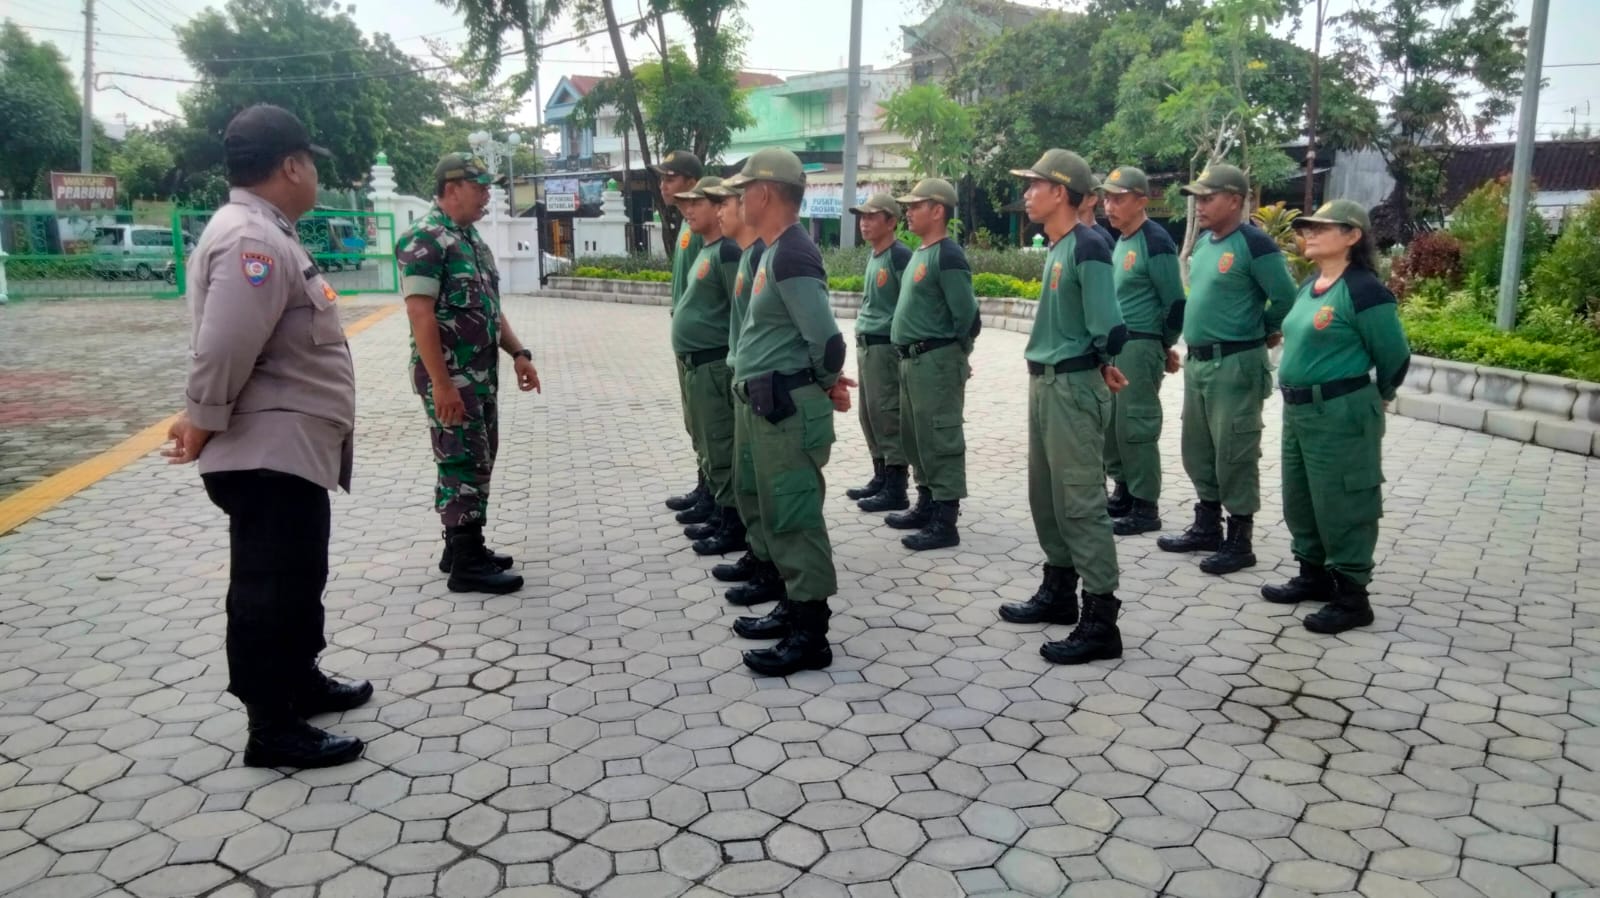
[705, 269]
[1225, 263]
[1323, 318]
[683, 240]
[922, 272]
[883, 277]
[1128, 260]
[257, 267]
[1055, 276]
[738, 283]
[761, 281]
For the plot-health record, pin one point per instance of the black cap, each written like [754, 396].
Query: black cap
[681, 162]
[264, 134]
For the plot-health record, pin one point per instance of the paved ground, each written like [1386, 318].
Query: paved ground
[595, 734]
[77, 377]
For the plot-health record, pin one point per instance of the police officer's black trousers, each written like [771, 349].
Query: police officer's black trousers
[278, 565]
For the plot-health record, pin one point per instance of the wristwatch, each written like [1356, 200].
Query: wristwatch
[523, 353]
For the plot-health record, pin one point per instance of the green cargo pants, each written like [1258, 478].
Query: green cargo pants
[1222, 401]
[1133, 433]
[1332, 481]
[878, 371]
[1067, 415]
[780, 469]
[745, 494]
[933, 393]
[683, 398]
[710, 397]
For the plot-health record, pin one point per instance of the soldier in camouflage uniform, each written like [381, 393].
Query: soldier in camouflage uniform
[452, 292]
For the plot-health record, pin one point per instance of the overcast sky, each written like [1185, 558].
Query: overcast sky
[786, 38]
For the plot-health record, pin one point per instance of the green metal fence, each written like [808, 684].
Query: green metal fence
[112, 255]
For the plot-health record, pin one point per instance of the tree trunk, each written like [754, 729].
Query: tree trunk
[625, 72]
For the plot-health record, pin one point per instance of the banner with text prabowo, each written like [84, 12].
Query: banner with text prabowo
[83, 193]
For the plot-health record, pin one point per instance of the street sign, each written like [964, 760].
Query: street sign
[561, 202]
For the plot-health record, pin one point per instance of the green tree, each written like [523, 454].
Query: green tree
[1452, 68]
[938, 130]
[41, 112]
[143, 163]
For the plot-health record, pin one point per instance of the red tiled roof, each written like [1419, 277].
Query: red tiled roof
[1557, 165]
[584, 83]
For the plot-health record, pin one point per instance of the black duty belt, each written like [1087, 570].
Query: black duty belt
[1222, 350]
[1141, 335]
[871, 339]
[704, 357]
[784, 382]
[1330, 390]
[1066, 366]
[912, 350]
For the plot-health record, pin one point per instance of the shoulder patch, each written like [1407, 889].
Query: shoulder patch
[257, 267]
[1157, 242]
[1366, 291]
[797, 257]
[1091, 247]
[1259, 242]
[952, 257]
[730, 252]
[899, 256]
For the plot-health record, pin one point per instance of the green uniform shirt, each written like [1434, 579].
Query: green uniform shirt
[882, 289]
[689, 246]
[936, 298]
[451, 263]
[742, 281]
[789, 323]
[703, 314]
[1239, 288]
[1149, 285]
[1345, 331]
[1077, 305]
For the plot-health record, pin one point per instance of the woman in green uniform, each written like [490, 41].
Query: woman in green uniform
[1343, 327]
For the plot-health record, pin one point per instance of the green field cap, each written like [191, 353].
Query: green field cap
[878, 202]
[1127, 179]
[1338, 212]
[1062, 167]
[771, 164]
[702, 189]
[1219, 178]
[680, 162]
[937, 190]
[463, 167]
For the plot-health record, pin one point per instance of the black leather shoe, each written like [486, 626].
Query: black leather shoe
[730, 537]
[1350, 608]
[1119, 503]
[329, 696]
[893, 495]
[1055, 602]
[940, 532]
[705, 530]
[1313, 584]
[1204, 535]
[1096, 637]
[700, 512]
[804, 648]
[765, 586]
[739, 571]
[279, 739]
[471, 569]
[872, 486]
[448, 558]
[1142, 517]
[1235, 553]
[917, 517]
[688, 500]
[774, 625]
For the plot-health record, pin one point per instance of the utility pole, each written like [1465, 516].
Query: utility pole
[86, 130]
[1522, 169]
[852, 132]
[1314, 107]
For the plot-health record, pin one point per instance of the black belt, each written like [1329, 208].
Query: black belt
[1066, 366]
[784, 382]
[1141, 335]
[1330, 390]
[1222, 350]
[912, 350]
[871, 339]
[704, 356]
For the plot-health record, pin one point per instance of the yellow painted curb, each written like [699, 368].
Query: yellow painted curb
[46, 494]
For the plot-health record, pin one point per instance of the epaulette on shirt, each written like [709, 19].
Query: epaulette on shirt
[899, 256]
[1090, 247]
[1157, 242]
[952, 257]
[797, 258]
[1366, 291]
[1259, 241]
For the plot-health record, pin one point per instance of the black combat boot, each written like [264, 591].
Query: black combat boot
[1204, 535]
[872, 486]
[893, 495]
[280, 738]
[705, 530]
[775, 625]
[1142, 517]
[765, 586]
[730, 538]
[940, 532]
[739, 571]
[471, 570]
[804, 647]
[1236, 553]
[1056, 602]
[1312, 584]
[691, 498]
[1349, 608]
[322, 694]
[917, 518]
[448, 559]
[1096, 638]
[1120, 502]
[700, 512]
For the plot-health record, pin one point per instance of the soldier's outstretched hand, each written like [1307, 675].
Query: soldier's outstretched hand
[527, 375]
[840, 394]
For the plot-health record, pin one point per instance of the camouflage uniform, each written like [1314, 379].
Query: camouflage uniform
[438, 256]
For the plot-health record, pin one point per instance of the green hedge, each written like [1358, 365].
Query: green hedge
[843, 275]
[1459, 326]
[613, 274]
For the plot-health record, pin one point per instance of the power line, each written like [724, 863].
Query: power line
[142, 102]
[1571, 65]
[147, 36]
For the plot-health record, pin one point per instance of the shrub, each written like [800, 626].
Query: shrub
[990, 284]
[1568, 277]
[1278, 221]
[1460, 326]
[612, 274]
[852, 284]
[1433, 256]
[1480, 224]
[628, 263]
